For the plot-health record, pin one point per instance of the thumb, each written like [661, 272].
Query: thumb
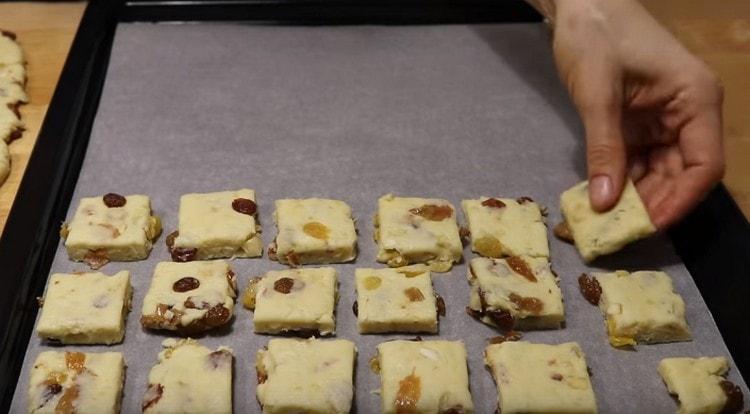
[600, 107]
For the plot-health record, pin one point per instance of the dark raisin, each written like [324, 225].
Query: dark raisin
[217, 316]
[520, 266]
[355, 308]
[96, 258]
[16, 134]
[734, 397]
[590, 288]
[440, 303]
[8, 34]
[283, 285]
[114, 200]
[453, 410]
[562, 232]
[244, 206]
[524, 200]
[503, 319]
[557, 377]
[493, 203]
[185, 284]
[509, 336]
[170, 239]
[153, 395]
[184, 254]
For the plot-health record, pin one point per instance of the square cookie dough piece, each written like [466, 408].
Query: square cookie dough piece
[85, 308]
[306, 376]
[596, 234]
[417, 230]
[190, 297]
[502, 227]
[518, 292]
[111, 228]
[540, 378]
[396, 300]
[190, 378]
[424, 377]
[700, 385]
[313, 231]
[215, 225]
[66, 382]
[641, 307]
[294, 300]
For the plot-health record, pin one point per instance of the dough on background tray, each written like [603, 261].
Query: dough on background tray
[301, 301]
[700, 385]
[190, 297]
[417, 230]
[85, 308]
[111, 228]
[540, 378]
[397, 300]
[596, 234]
[313, 231]
[638, 307]
[518, 292]
[424, 377]
[502, 227]
[190, 378]
[306, 376]
[12, 95]
[65, 382]
[10, 50]
[4, 162]
[216, 225]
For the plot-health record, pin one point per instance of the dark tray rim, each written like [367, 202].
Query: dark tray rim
[713, 242]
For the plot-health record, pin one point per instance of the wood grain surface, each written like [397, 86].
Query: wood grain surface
[717, 31]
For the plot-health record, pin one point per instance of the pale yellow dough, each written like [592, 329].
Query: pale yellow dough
[541, 378]
[515, 229]
[9, 123]
[208, 223]
[396, 300]
[12, 73]
[10, 51]
[306, 376]
[437, 368]
[505, 289]
[4, 161]
[309, 304]
[90, 382]
[190, 378]
[596, 234]
[641, 307]
[120, 233]
[695, 382]
[405, 238]
[85, 308]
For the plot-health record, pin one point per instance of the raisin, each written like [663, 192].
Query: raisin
[75, 361]
[524, 200]
[220, 359]
[16, 134]
[114, 200]
[217, 316]
[488, 246]
[272, 251]
[590, 288]
[440, 303]
[520, 266]
[316, 230]
[8, 34]
[374, 364]
[186, 284]
[414, 294]
[562, 232]
[556, 377]
[170, 239]
[67, 403]
[464, 233]
[407, 396]
[251, 291]
[184, 254]
[454, 410]
[372, 282]
[532, 305]
[510, 336]
[153, 395]
[734, 397]
[433, 212]
[96, 258]
[260, 375]
[355, 308]
[409, 273]
[293, 259]
[503, 319]
[244, 206]
[49, 393]
[283, 285]
[493, 203]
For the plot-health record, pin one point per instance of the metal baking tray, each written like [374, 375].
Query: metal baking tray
[344, 100]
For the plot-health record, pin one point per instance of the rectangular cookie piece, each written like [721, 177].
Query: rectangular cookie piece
[700, 385]
[596, 234]
[424, 377]
[502, 227]
[216, 225]
[190, 378]
[66, 382]
[540, 378]
[85, 308]
[190, 297]
[396, 300]
[640, 307]
[518, 292]
[111, 228]
[294, 300]
[306, 376]
[313, 231]
[417, 230]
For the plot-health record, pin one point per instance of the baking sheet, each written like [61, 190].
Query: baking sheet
[353, 113]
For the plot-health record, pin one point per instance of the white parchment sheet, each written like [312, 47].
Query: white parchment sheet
[353, 113]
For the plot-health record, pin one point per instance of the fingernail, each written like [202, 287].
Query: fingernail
[600, 191]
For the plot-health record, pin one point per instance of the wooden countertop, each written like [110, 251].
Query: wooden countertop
[718, 33]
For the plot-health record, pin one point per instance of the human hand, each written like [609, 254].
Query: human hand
[650, 109]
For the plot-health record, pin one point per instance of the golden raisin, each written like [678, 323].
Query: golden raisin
[414, 294]
[410, 273]
[66, 404]
[251, 291]
[409, 391]
[75, 361]
[520, 266]
[433, 212]
[532, 305]
[488, 246]
[372, 282]
[562, 232]
[374, 364]
[317, 230]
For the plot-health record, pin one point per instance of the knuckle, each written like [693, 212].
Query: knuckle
[602, 154]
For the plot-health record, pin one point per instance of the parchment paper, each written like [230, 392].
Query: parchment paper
[352, 113]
